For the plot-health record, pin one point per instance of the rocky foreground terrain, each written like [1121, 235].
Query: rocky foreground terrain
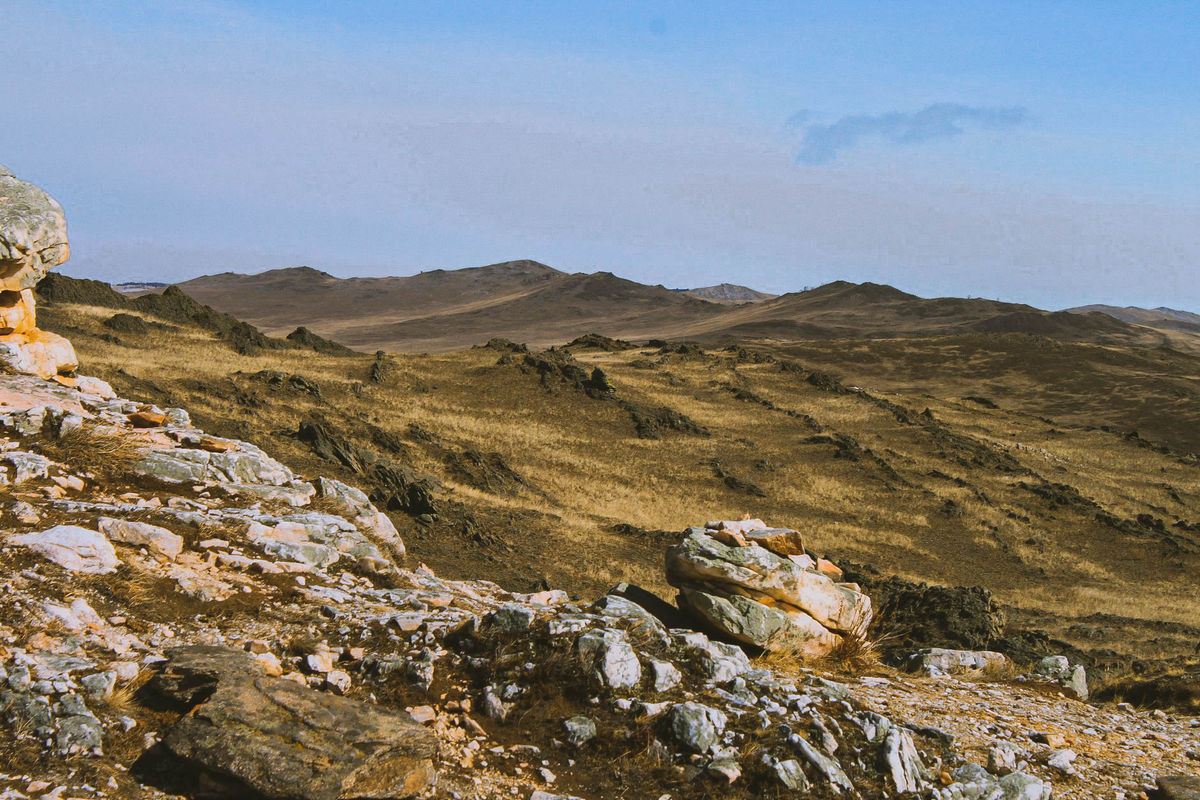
[185, 616]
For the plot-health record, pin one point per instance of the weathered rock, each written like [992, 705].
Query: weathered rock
[902, 762]
[290, 542]
[744, 619]
[1058, 669]
[781, 541]
[511, 619]
[940, 661]
[701, 561]
[1002, 758]
[142, 534]
[578, 730]
[25, 466]
[825, 764]
[287, 741]
[72, 548]
[754, 623]
[741, 526]
[791, 776]
[696, 726]
[1178, 787]
[33, 239]
[610, 658]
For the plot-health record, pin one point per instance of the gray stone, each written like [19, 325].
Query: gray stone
[1178, 787]
[718, 661]
[666, 675]
[579, 730]
[26, 466]
[72, 548]
[791, 775]
[99, 685]
[696, 726]
[142, 534]
[512, 618]
[174, 466]
[941, 661]
[1002, 758]
[739, 617]
[827, 765]
[1062, 761]
[701, 561]
[643, 626]
[1019, 786]
[902, 762]
[610, 658]
[27, 709]
[33, 233]
[285, 740]
[19, 679]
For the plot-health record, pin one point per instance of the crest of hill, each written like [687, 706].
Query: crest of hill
[277, 299]
[1161, 317]
[728, 293]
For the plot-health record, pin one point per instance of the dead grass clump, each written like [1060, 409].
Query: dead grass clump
[104, 454]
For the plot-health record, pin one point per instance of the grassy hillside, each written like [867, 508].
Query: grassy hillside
[966, 460]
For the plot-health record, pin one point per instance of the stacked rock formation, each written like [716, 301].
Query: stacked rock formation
[33, 239]
[758, 586]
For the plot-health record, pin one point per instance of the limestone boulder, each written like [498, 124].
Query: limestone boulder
[754, 572]
[33, 233]
[142, 534]
[73, 548]
[33, 238]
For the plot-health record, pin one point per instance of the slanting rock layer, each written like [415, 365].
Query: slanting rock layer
[33, 239]
[283, 740]
[746, 581]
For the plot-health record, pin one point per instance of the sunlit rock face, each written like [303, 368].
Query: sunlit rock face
[33, 239]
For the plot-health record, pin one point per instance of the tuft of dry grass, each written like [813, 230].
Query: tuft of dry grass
[105, 454]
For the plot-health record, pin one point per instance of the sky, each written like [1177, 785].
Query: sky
[1039, 152]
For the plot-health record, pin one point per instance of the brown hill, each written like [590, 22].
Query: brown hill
[1161, 317]
[529, 302]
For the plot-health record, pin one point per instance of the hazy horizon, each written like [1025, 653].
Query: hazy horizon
[1022, 152]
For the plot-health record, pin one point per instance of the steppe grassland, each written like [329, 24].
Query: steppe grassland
[588, 471]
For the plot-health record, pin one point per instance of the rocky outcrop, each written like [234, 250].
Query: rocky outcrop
[746, 581]
[284, 740]
[33, 239]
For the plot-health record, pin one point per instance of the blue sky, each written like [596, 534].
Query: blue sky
[1037, 152]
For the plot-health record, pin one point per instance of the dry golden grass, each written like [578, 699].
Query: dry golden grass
[914, 505]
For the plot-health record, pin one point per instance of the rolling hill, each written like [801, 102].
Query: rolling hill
[526, 301]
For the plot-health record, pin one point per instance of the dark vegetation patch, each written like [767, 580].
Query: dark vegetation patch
[557, 369]
[911, 615]
[488, 472]
[307, 340]
[393, 486]
[747, 396]
[735, 482]
[503, 345]
[290, 382]
[127, 323]
[595, 341]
